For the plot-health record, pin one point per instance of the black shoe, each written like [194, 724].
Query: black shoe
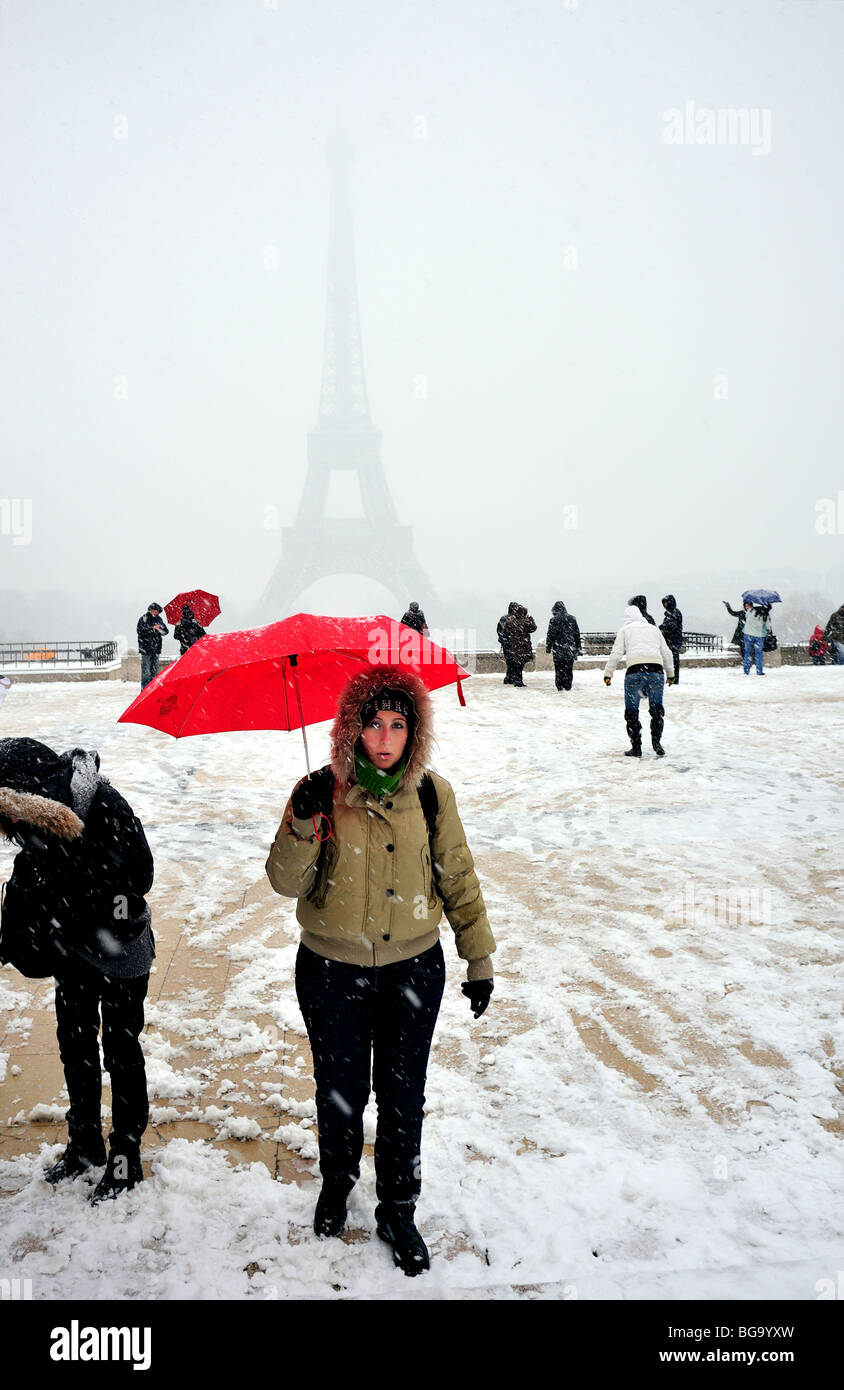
[123, 1172]
[74, 1162]
[410, 1253]
[632, 752]
[330, 1213]
[659, 750]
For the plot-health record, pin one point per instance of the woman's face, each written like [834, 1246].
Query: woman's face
[384, 739]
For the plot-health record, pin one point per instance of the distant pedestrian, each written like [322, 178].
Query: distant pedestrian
[737, 639]
[639, 601]
[818, 648]
[503, 634]
[5, 685]
[834, 634]
[415, 618]
[671, 628]
[514, 635]
[187, 630]
[151, 629]
[649, 663]
[563, 642]
[755, 632]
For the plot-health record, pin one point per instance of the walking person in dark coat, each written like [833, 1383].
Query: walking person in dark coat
[187, 630]
[514, 635]
[563, 642]
[415, 618]
[671, 628]
[639, 601]
[74, 908]
[151, 629]
[503, 634]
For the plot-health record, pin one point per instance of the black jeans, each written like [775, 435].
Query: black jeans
[380, 1018]
[563, 669]
[80, 991]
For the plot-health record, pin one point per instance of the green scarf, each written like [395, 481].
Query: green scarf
[375, 781]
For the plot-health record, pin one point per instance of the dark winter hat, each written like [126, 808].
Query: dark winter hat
[29, 766]
[187, 611]
[388, 698]
[156, 606]
[670, 601]
[414, 607]
[639, 601]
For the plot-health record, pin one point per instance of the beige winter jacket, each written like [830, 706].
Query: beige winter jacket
[372, 895]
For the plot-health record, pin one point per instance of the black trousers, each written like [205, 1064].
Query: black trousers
[81, 991]
[563, 669]
[515, 667]
[676, 656]
[378, 1021]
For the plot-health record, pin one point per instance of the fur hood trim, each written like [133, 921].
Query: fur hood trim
[347, 727]
[41, 812]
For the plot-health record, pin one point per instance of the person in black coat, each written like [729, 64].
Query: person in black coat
[563, 641]
[737, 639]
[514, 631]
[671, 628]
[151, 628]
[187, 630]
[74, 908]
[639, 601]
[415, 618]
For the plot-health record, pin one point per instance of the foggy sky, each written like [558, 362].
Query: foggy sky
[559, 309]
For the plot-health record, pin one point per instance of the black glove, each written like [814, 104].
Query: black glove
[478, 992]
[309, 797]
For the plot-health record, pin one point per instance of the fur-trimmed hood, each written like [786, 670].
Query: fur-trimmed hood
[347, 727]
[44, 790]
[40, 812]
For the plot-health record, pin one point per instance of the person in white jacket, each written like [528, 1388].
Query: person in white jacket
[648, 664]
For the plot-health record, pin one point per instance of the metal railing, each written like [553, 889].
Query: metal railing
[694, 641]
[37, 655]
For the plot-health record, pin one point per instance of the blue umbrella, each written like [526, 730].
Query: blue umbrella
[762, 596]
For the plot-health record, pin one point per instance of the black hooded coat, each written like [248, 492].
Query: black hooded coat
[82, 871]
[563, 638]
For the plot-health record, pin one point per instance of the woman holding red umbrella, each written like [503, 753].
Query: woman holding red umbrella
[373, 849]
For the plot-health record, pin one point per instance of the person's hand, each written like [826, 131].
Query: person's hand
[607, 680]
[307, 797]
[478, 993]
[670, 679]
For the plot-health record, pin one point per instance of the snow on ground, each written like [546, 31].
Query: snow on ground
[651, 1106]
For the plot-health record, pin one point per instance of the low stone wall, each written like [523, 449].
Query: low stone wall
[491, 663]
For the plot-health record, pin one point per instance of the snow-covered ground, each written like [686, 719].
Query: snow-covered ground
[650, 1108]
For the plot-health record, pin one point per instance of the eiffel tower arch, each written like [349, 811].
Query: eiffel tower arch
[375, 544]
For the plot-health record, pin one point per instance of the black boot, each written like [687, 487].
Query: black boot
[634, 731]
[396, 1226]
[76, 1160]
[123, 1172]
[657, 725]
[330, 1213]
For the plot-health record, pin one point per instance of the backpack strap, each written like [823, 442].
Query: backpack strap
[430, 804]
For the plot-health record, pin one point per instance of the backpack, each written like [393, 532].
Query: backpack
[428, 800]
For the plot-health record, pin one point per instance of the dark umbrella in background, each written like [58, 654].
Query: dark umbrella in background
[206, 607]
[764, 597]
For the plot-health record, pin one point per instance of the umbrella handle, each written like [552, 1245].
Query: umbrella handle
[294, 661]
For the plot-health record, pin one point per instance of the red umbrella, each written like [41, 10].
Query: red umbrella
[283, 676]
[206, 607]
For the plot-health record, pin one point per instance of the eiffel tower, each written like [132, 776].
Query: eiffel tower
[375, 544]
